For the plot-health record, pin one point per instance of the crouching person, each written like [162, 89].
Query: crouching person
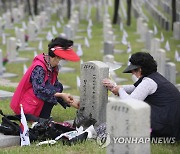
[39, 89]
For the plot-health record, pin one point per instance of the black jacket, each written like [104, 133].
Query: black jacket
[165, 107]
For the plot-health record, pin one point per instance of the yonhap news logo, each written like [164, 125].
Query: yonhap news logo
[105, 139]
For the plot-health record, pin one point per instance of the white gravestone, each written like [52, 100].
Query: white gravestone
[32, 30]
[170, 72]
[139, 24]
[2, 26]
[128, 120]
[176, 30]
[4, 74]
[1, 63]
[149, 36]
[8, 21]
[68, 31]
[113, 65]
[155, 46]
[12, 51]
[93, 95]
[38, 21]
[15, 15]
[21, 37]
[144, 29]
[161, 60]
[108, 48]
[11, 48]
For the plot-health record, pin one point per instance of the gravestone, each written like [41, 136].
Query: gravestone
[32, 30]
[170, 72]
[44, 19]
[113, 65]
[5, 94]
[15, 15]
[82, 10]
[144, 29]
[93, 95]
[21, 37]
[139, 24]
[98, 12]
[149, 36]
[1, 26]
[4, 74]
[128, 125]
[155, 46]
[109, 36]
[38, 21]
[68, 31]
[12, 51]
[176, 30]
[161, 60]
[108, 48]
[9, 140]
[7, 18]
[1, 63]
[11, 48]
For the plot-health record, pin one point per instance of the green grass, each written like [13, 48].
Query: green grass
[92, 53]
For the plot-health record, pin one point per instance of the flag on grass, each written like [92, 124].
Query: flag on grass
[167, 46]
[35, 53]
[162, 37]
[54, 31]
[24, 25]
[79, 51]
[129, 48]
[177, 56]
[155, 29]
[24, 130]
[86, 42]
[90, 24]
[49, 36]
[124, 41]
[58, 24]
[40, 46]
[78, 82]
[89, 33]
[24, 68]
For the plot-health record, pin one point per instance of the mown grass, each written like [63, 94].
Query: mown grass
[92, 53]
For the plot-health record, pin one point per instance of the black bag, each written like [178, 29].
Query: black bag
[9, 127]
[49, 130]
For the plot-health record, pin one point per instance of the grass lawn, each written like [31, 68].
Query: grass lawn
[92, 53]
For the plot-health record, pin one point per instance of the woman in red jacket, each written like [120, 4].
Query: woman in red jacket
[39, 89]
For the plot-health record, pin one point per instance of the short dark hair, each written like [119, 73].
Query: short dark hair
[146, 61]
[58, 41]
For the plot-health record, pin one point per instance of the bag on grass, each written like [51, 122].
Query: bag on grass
[9, 127]
[49, 129]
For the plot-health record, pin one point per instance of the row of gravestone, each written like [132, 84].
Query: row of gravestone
[13, 48]
[153, 46]
[158, 16]
[166, 7]
[109, 48]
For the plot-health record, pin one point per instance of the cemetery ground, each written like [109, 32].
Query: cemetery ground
[90, 54]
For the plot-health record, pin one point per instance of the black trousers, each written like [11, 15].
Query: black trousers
[46, 110]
